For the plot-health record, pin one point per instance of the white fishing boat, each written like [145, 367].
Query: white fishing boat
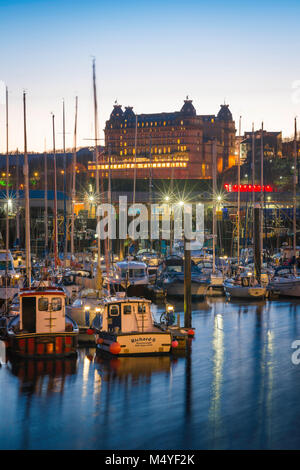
[285, 282]
[244, 287]
[125, 327]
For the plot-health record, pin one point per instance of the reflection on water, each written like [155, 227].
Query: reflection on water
[236, 387]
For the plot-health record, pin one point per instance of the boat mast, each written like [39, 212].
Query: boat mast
[135, 152]
[17, 201]
[7, 187]
[97, 172]
[65, 184]
[239, 197]
[46, 200]
[253, 183]
[214, 177]
[74, 178]
[295, 197]
[261, 225]
[27, 207]
[55, 196]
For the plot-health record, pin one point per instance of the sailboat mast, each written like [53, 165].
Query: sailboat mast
[27, 207]
[135, 152]
[214, 177]
[239, 197]
[97, 163]
[17, 201]
[295, 196]
[7, 183]
[253, 183]
[46, 201]
[74, 178]
[65, 184]
[55, 196]
[261, 193]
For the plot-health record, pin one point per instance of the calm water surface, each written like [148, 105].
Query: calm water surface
[237, 389]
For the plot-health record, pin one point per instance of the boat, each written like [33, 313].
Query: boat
[215, 278]
[285, 282]
[130, 277]
[152, 260]
[42, 329]
[9, 279]
[83, 311]
[171, 278]
[244, 286]
[125, 327]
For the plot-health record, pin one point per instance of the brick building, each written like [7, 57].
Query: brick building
[169, 145]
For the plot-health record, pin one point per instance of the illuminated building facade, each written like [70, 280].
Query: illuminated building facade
[167, 145]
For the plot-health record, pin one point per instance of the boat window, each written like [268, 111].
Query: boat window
[142, 308]
[127, 309]
[56, 304]
[114, 311]
[43, 304]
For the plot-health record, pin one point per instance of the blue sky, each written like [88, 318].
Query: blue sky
[149, 55]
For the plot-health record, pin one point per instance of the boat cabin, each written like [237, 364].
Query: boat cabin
[42, 310]
[123, 315]
[133, 271]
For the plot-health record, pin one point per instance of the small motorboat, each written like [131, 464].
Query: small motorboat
[244, 286]
[125, 327]
[130, 277]
[285, 282]
[171, 278]
[42, 329]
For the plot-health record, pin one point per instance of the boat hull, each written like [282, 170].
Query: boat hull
[286, 289]
[176, 289]
[136, 344]
[245, 292]
[42, 346]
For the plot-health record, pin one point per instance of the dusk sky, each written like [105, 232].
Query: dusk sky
[150, 55]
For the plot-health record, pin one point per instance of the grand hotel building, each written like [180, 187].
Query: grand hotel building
[166, 145]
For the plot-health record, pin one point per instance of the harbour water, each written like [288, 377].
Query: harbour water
[237, 388]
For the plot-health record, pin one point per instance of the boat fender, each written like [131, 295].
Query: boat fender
[115, 348]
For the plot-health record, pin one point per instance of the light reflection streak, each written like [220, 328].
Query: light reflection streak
[218, 359]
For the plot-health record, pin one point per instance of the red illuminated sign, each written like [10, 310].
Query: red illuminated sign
[248, 188]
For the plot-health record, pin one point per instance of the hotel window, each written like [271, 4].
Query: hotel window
[121, 153]
[164, 123]
[125, 152]
[178, 141]
[155, 123]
